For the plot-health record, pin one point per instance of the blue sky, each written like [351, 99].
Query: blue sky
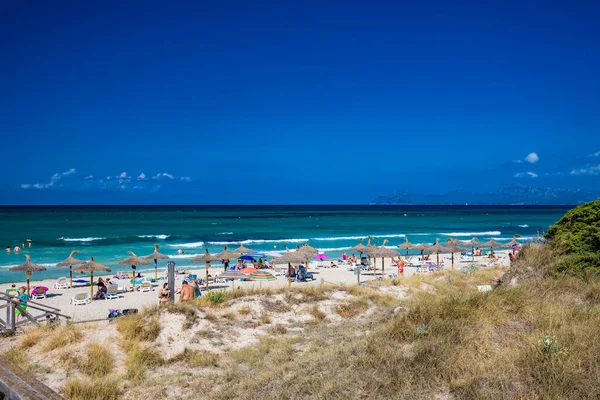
[299, 102]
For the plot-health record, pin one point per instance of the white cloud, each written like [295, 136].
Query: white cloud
[554, 174]
[123, 175]
[53, 180]
[526, 175]
[596, 154]
[141, 176]
[160, 175]
[593, 170]
[532, 158]
[185, 178]
[89, 177]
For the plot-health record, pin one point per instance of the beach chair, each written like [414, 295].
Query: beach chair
[80, 299]
[39, 294]
[11, 292]
[112, 291]
[146, 286]
[61, 283]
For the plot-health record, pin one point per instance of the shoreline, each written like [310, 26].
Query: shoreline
[99, 309]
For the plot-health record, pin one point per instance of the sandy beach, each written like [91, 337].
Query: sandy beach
[99, 309]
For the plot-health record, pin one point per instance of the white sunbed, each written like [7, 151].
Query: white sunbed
[61, 283]
[112, 291]
[80, 299]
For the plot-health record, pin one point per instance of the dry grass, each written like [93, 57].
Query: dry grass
[107, 388]
[62, 336]
[189, 311]
[265, 318]
[139, 327]
[98, 361]
[317, 314]
[244, 310]
[352, 308]
[17, 356]
[195, 358]
[33, 337]
[139, 359]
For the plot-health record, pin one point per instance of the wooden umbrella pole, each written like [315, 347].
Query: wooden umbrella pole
[207, 267]
[438, 259]
[155, 269]
[28, 287]
[71, 275]
[472, 254]
[382, 267]
[452, 261]
[289, 275]
[92, 285]
[375, 267]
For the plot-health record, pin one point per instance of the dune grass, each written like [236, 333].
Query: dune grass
[139, 327]
[106, 388]
[62, 336]
[195, 358]
[139, 359]
[98, 361]
[353, 307]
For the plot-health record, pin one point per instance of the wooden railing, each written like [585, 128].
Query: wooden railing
[8, 320]
[16, 384]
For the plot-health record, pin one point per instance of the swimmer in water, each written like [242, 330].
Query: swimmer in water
[8, 249]
[180, 251]
[17, 248]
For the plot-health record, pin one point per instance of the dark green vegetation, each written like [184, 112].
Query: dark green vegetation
[575, 240]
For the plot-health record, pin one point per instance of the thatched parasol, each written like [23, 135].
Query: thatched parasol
[308, 252]
[289, 258]
[156, 256]
[406, 245]
[242, 250]
[514, 243]
[226, 255]
[206, 258]
[69, 262]
[471, 243]
[452, 247]
[492, 243]
[133, 261]
[233, 275]
[91, 267]
[28, 267]
[359, 247]
[437, 248]
[384, 252]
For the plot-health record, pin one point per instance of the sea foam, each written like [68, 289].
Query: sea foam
[334, 238]
[250, 241]
[163, 237]
[192, 245]
[488, 233]
[86, 239]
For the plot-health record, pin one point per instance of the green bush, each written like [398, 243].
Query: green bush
[216, 297]
[576, 239]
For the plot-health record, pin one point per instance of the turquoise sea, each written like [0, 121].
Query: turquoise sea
[108, 232]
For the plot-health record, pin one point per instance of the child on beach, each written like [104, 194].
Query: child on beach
[22, 301]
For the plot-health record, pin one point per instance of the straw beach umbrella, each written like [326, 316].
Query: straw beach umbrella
[233, 275]
[308, 251]
[514, 243]
[242, 250]
[28, 267]
[91, 267]
[206, 258]
[289, 258]
[384, 252]
[69, 262]
[452, 247]
[156, 256]
[133, 261]
[225, 255]
[359, 247]
[437, 248]
[406, 245]
[423, 248]
[471, 243]
[492, 243]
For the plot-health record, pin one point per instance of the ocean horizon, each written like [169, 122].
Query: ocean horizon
[108, 232]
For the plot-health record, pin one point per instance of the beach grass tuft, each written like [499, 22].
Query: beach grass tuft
[139, 327]
[62, 336]
[98, 361]
[196, 358]
[352, 308]
[106, 388]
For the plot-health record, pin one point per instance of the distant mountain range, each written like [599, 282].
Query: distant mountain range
[513, 194]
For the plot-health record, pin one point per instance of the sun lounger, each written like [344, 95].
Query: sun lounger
[112, 291]
[61, 283]
[80, 299]
[12, 292]
[146, 286]
[38, 294]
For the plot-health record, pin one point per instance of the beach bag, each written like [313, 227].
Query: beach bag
[128, 311]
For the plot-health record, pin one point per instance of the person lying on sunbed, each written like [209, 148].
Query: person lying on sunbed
[303, 275]
[101, 293]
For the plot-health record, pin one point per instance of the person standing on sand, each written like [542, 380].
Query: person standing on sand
[163, 295]
[400, 264]
[22, 300]
[187, 292]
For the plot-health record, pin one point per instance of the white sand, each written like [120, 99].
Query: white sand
[99, 309]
